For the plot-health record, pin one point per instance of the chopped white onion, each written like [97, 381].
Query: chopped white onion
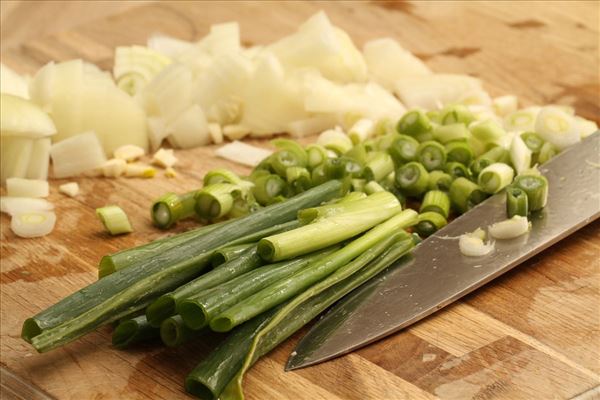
[431, 91]
[13, 83]
[76, 155]
[520, 155]
[139, 171]
[21, 117]
[510, 228]
[472, 245]
[168, 46]
[19, 187]
[243, 153]
[135, 66]
[164, 158]
[33, 223]
[71, 189]
[235, 132]
[114, 168]
[190, 129]
[129, 152]
[556, 126]
[40, 159]
[216, 133]
[16, 205]
[15, 156]
[311, 126]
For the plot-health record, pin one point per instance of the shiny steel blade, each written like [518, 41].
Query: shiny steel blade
[438, 274]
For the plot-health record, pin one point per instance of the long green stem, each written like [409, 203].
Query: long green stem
[173, 332]
[132, 331]
[228, 253]
[362, 215]
[283, 290]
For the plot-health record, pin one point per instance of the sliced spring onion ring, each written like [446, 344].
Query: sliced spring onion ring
[510, 228]
[495, 177]
[33, 223]
[557, 127]
[114, 219]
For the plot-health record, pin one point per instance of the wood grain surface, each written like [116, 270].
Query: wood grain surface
[534, 333]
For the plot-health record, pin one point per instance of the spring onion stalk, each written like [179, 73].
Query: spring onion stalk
[436, 201]
[379, 166]
[373, 187]
[403, 149]
[496, 154]
[457, 170]
[448, 133]
[284, 159]
[242, 207]
[361, 216]
[211, 376]
[439, 180]
[369, 145]
[510, 228]
[487, 131]
[199, 309]
[314, 272]
[520, 155]
[429, 223]
[30, 224]
[358, 185]
[385, 127]
[546, 153]
[385, 142]
[300, 310]
[536, 188]
[318, 175]
[298, 178]
[556, 126]
[465, 194]
[221, 175]
[414, 123]
[316, 154]
[135, 287]
[124, 258]
[338, 168]
[412, 178]
[472, 245]
[165, 305]
[171, 207]
[432, 155]
[516, 202]
[495, 177]
[434, 116]
[228, 253]
[173, 332]
[461, 152]
[114, 220]
[359, 153]
[132, 331]
[361, 130]
[335, 140]
[215, 201]
[457, 114]
[348, 203]
[533, 141]
[267, 188]
[424, 137]
[293, 147]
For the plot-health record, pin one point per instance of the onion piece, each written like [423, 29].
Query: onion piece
[167, 45]
[21, 117]
[387, 61]
[432, 91]
[585, 126]
[12, 83]
[19, 187]
[556, 126]
[139, 171]
[243, 153]
[15, 156]
[520, 155]
[164, 158]
[114, 168]
[135, 66]
[235, 132]
[71, 189]
[361, 130]
[336, 140]
[114, 220]
[510, 228]
[505, 105]
[311, 125]
[76, 155]
[129, 152]
[215, 132]
[472, 245]
[15, 205]
[33, 223]
[190, 129]
[39, 159]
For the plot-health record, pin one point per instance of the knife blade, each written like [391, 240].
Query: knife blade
[437, 274]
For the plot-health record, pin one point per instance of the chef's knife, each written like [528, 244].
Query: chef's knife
[437, 273]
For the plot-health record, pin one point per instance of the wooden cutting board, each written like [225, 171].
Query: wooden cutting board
[531, 334]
